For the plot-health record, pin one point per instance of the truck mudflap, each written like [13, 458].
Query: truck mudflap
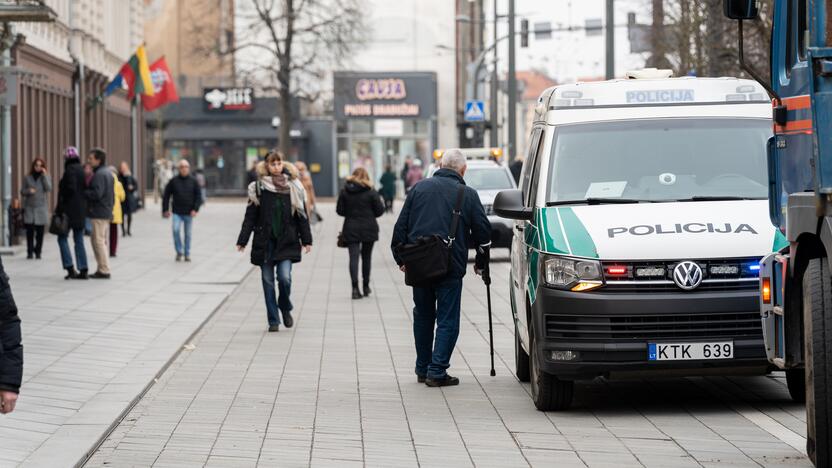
[773, 268]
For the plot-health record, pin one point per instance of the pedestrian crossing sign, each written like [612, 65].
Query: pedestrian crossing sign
[474, 111]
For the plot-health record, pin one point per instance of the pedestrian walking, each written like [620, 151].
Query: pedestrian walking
[388, 188]
[414, 174]
[11, 351]
[403, 173]
[16, 224]
[100, 197]
[35, 209]
[429, 211]
[73, 204]
[119, 197]
[360, 205]
[305, 179]
[276, 214]
[131, 202]
[199, 174]
[183, 193]
[251, 175]
[162, 174]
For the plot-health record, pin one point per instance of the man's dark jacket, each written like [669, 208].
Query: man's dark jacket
[428, 210]
[11, 351]
[71, 200]
[100, 194]
[186, 195]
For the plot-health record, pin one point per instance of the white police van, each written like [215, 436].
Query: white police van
[639, 225]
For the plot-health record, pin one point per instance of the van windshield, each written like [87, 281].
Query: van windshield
[659, 160]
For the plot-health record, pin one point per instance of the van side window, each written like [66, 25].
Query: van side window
[538, 160]
[525, 176]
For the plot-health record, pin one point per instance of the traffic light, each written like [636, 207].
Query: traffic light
[524, 33]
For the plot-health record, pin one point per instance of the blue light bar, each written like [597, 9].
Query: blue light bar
[754, 267]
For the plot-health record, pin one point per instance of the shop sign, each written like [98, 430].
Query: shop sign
[228, 99]
[385, 95]
[389, 127]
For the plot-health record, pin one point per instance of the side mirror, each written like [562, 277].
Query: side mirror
[509, 204]
[740, 9]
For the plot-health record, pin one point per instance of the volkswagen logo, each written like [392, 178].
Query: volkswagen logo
[687, 275]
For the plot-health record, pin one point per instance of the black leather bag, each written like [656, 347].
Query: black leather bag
[428, 259]
[59, 225]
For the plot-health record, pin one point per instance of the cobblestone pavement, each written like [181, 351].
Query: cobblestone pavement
[92, 347]
[339, 390]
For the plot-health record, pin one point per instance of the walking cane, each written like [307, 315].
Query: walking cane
[486, 278]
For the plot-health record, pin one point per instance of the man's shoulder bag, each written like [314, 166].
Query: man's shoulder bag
[427, 260]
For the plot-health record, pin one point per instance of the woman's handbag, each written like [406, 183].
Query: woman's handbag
[59, 225]
[341, 242]
[427, 260]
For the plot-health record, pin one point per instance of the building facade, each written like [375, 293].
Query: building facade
[61, 67]
[196, 38]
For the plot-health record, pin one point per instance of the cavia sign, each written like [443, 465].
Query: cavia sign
[384, 95]
[228, 99]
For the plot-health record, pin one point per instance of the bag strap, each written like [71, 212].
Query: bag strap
[460, 193]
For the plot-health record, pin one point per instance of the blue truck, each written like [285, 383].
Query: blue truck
[796, 282]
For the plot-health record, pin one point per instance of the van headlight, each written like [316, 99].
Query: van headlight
[571, 273]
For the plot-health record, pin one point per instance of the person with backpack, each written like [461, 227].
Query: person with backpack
[277, 216]
[360, 205]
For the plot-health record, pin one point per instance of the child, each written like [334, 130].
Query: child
[15, 221]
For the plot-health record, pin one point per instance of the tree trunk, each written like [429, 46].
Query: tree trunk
[658, 38]
[286, 121]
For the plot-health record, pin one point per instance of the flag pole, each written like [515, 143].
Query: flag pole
[134, 132]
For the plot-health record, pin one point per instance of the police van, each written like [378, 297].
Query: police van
[488, 175]
[639, 225]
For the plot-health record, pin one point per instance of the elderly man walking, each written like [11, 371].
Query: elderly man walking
[187, 198]
[429, 211]
[100, 200]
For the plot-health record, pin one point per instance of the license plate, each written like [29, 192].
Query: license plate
[690, 351]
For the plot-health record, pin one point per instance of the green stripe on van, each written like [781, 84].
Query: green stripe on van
[551, 232]
[779, 241]
[579, 239]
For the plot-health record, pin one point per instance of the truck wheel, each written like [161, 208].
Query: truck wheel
[796, 381]
[521, 358]
[817, 319]
[549, 393]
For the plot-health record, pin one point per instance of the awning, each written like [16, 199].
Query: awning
[225, 131]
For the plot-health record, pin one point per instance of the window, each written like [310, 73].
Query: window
[536, 171]
[525, 175]
[802, 28]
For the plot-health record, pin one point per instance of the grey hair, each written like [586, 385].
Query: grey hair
[453, 159]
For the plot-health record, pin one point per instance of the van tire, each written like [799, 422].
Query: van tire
[549, 393]
[796, 381]
[817, 320]
[521, 358]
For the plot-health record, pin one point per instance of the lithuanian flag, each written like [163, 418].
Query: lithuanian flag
[136, 73]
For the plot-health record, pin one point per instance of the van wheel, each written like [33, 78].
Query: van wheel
[817, 320]
[549, 393]
[796, 381]
[521, 358]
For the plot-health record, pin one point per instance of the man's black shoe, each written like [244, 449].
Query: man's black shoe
[99, 275]
[421, 378]
[446, 382]
[274, 328]
[71, 273]
[83, 274]
[288, 321]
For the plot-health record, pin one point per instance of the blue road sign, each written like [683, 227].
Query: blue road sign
[474, 111]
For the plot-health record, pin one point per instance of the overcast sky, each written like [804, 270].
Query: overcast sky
[572, 55]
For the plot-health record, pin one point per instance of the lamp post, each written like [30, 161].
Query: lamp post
[512, 86]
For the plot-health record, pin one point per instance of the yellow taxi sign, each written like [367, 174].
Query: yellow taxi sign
[497, 152]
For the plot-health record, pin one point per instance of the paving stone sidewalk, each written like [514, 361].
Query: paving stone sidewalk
[92, 347]
[339, 390]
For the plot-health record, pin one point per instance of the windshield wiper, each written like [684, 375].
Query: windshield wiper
[597, 201]
[718, 198]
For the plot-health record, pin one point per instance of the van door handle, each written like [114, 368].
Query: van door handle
[519, 227]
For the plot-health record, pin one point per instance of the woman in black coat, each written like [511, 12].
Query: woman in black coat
[360, 205]
[130, 203]
[277, 216]
[71, 202]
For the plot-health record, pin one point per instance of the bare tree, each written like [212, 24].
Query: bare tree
[289, 47]
[704, 42]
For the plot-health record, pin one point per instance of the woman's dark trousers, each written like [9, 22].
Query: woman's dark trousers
[34, 240]
[364, 250]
